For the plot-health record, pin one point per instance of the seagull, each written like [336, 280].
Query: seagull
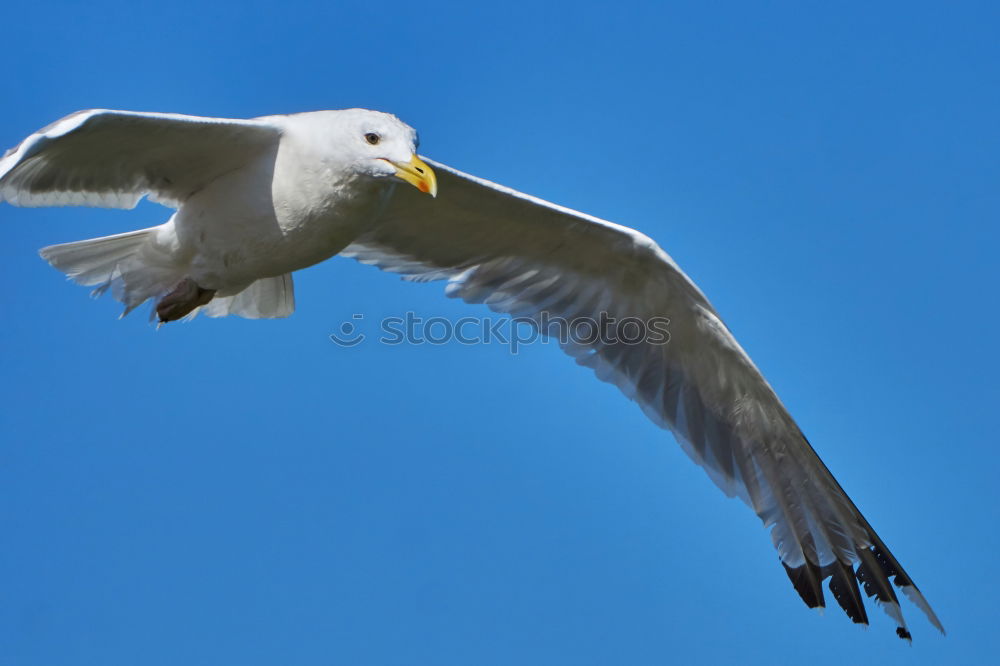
[256, 200]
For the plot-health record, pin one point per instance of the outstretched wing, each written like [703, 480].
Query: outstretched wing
[556, 267]
[114, 158]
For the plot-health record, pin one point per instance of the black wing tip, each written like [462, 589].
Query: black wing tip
[807, 580]
[876, 568]
[844, 587]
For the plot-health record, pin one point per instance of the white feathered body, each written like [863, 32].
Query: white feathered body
[274, 216]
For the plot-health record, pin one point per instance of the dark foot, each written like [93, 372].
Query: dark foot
[185, 297]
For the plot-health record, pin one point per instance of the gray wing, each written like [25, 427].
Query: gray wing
[551, 265]
[114, 158]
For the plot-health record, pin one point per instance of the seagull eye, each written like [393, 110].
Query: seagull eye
[372, 138]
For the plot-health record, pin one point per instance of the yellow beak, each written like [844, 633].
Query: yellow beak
[417, 173]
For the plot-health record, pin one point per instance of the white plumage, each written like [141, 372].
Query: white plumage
[258, 199]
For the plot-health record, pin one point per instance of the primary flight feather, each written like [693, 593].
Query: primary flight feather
[258, 199]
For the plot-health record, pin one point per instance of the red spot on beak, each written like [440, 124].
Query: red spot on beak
[423, 187]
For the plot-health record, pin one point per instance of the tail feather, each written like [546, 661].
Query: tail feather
[135, 268]
[93, 261]
[124, 263]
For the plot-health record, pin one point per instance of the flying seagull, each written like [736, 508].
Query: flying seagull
[258, 199]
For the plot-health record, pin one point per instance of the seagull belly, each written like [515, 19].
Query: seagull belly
[244, 227]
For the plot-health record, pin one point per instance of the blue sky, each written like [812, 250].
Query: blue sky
[247, 492]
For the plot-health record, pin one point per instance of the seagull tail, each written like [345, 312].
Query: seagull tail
[132, 265]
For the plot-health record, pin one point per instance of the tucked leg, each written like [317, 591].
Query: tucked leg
[184, 298]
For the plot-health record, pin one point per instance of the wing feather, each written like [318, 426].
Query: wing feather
[529, 258]
[112, 159]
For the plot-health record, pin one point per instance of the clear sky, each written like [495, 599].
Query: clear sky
[246, 492]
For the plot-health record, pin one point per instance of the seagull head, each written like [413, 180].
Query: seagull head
[382, 146]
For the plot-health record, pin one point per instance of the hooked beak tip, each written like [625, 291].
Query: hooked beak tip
[417, 173]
